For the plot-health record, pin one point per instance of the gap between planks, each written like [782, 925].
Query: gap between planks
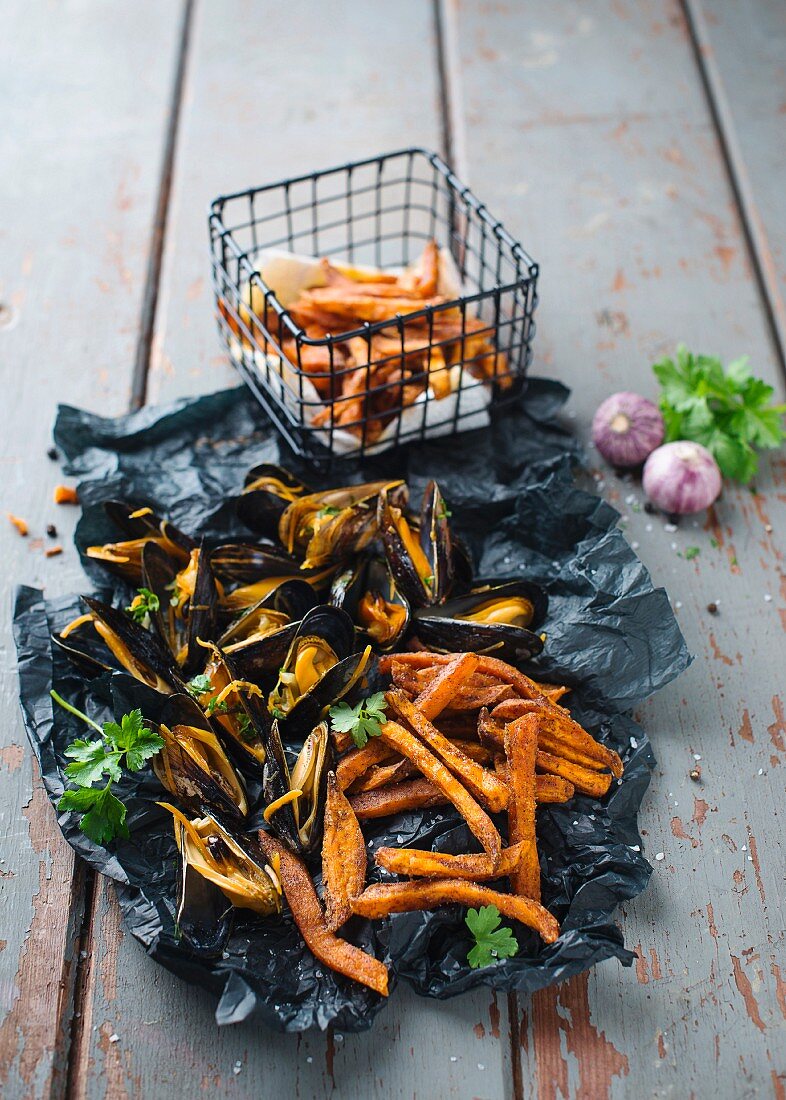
[759, 251]
[79, 1038]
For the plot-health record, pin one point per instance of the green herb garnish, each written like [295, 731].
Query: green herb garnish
[364, 720]
[143, 604]
[200, 685]
[691, 553]
[174, 599]
[131, 743]
[329, 510]
[491, 941]
[729, 412]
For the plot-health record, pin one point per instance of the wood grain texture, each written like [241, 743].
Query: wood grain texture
[79, 147]
[587, 130]
[267, 96]
[742, 50]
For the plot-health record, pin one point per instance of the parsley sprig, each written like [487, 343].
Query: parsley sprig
[728, 411]
[128, 743]
[491, 941]
[143, 604]
[364, 720]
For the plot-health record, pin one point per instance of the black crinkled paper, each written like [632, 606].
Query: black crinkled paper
[515, 501]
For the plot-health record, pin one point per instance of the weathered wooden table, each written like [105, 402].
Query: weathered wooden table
[637, 148]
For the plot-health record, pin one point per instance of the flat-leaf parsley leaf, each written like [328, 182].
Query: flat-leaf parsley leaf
[364, 720]
[103, 814]
[491, 941]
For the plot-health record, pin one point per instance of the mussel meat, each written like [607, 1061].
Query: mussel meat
[140, 526]
[226, 697]
[368, 593]
[296, 799]
[330, 526]
[186, 598]
[256, 571]
[192, 765]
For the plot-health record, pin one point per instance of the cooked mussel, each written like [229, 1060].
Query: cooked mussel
[419, 553]
[133, 648]
[368, 593]
[186, 599]
[296, 799]
[495, 618]
[192, 765]
[228, 699]
[287, 603]
[320, 668]
[230, 859]
[255, 571]
[267, 491]
[331, 526]
[140, 526]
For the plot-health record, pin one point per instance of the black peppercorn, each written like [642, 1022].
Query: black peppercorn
[52, 453]
[51, 530]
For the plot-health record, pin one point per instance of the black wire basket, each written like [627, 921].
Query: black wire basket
[430, 369]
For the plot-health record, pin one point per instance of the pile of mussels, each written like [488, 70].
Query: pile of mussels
[253, 642]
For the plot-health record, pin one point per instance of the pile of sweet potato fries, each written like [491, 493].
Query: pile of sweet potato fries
[365, 380]
[465, 730]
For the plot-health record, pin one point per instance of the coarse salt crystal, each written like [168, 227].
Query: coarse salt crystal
[744, 848]
[114, 1038]
[768, 598]
[697, 756]
[670, 527]
[648, 527]
[660, 856]
[634, 546]
[678, 604]
[634, 847]
[481, 1066]
[634, 743]
[453, 1058]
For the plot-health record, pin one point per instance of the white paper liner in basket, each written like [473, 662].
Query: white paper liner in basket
[287, 275]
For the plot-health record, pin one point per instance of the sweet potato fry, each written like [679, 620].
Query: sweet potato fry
[426, 762]
[553, 788]
[444, 686]
[416, 794]
[421, 864]
[382, 899]
[553, 692]
[474, 750]
[585, 780]
[383, 775]
[521, 746]
[480, 782]
[560, 735]
[310, 919]
[358, 761]
[343, 856]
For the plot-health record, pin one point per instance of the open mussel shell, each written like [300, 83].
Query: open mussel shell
[133, 648]
[138, 526]
[204, 914]
[495, 618]
[299, 822]
[332, 526]
[252, 572]
[320, 668]
[187, 600]
[287, 603]
[192, 765]
[268, 490]
[216, 849]
[419, 554]
[368, 593]
[240, 713]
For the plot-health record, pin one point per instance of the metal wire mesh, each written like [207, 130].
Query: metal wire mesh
[435, 371]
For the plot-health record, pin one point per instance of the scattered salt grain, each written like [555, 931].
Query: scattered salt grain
[674, 546]
[630, 498]
[744, 848]
[634, 743]
[237, 1068]
[647, 526]
[481, 1066]
[114, 1038]
[697, 756]
[760, 771]
[453, 1058]
[750, 859]
[660, 856]
[309, 1059]
[678, 604]
[635, 847]
[768, 598]
[670, 527]
[338, 1038]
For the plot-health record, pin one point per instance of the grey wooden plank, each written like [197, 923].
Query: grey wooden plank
[587, 131]
[79, 145]
[269, 92]
[742, 46]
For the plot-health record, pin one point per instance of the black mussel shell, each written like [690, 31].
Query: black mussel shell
[180, 632]
[422, 582]
[268, 490]
[245, 735]
[437, 542]
[511, 644]
[260, 657]
[132, 648]
[204, 915]
[243, 563]
[221, 790]
[370, 578]
[138, 522]
[202, 609]
[291, 599]
[159, 573]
